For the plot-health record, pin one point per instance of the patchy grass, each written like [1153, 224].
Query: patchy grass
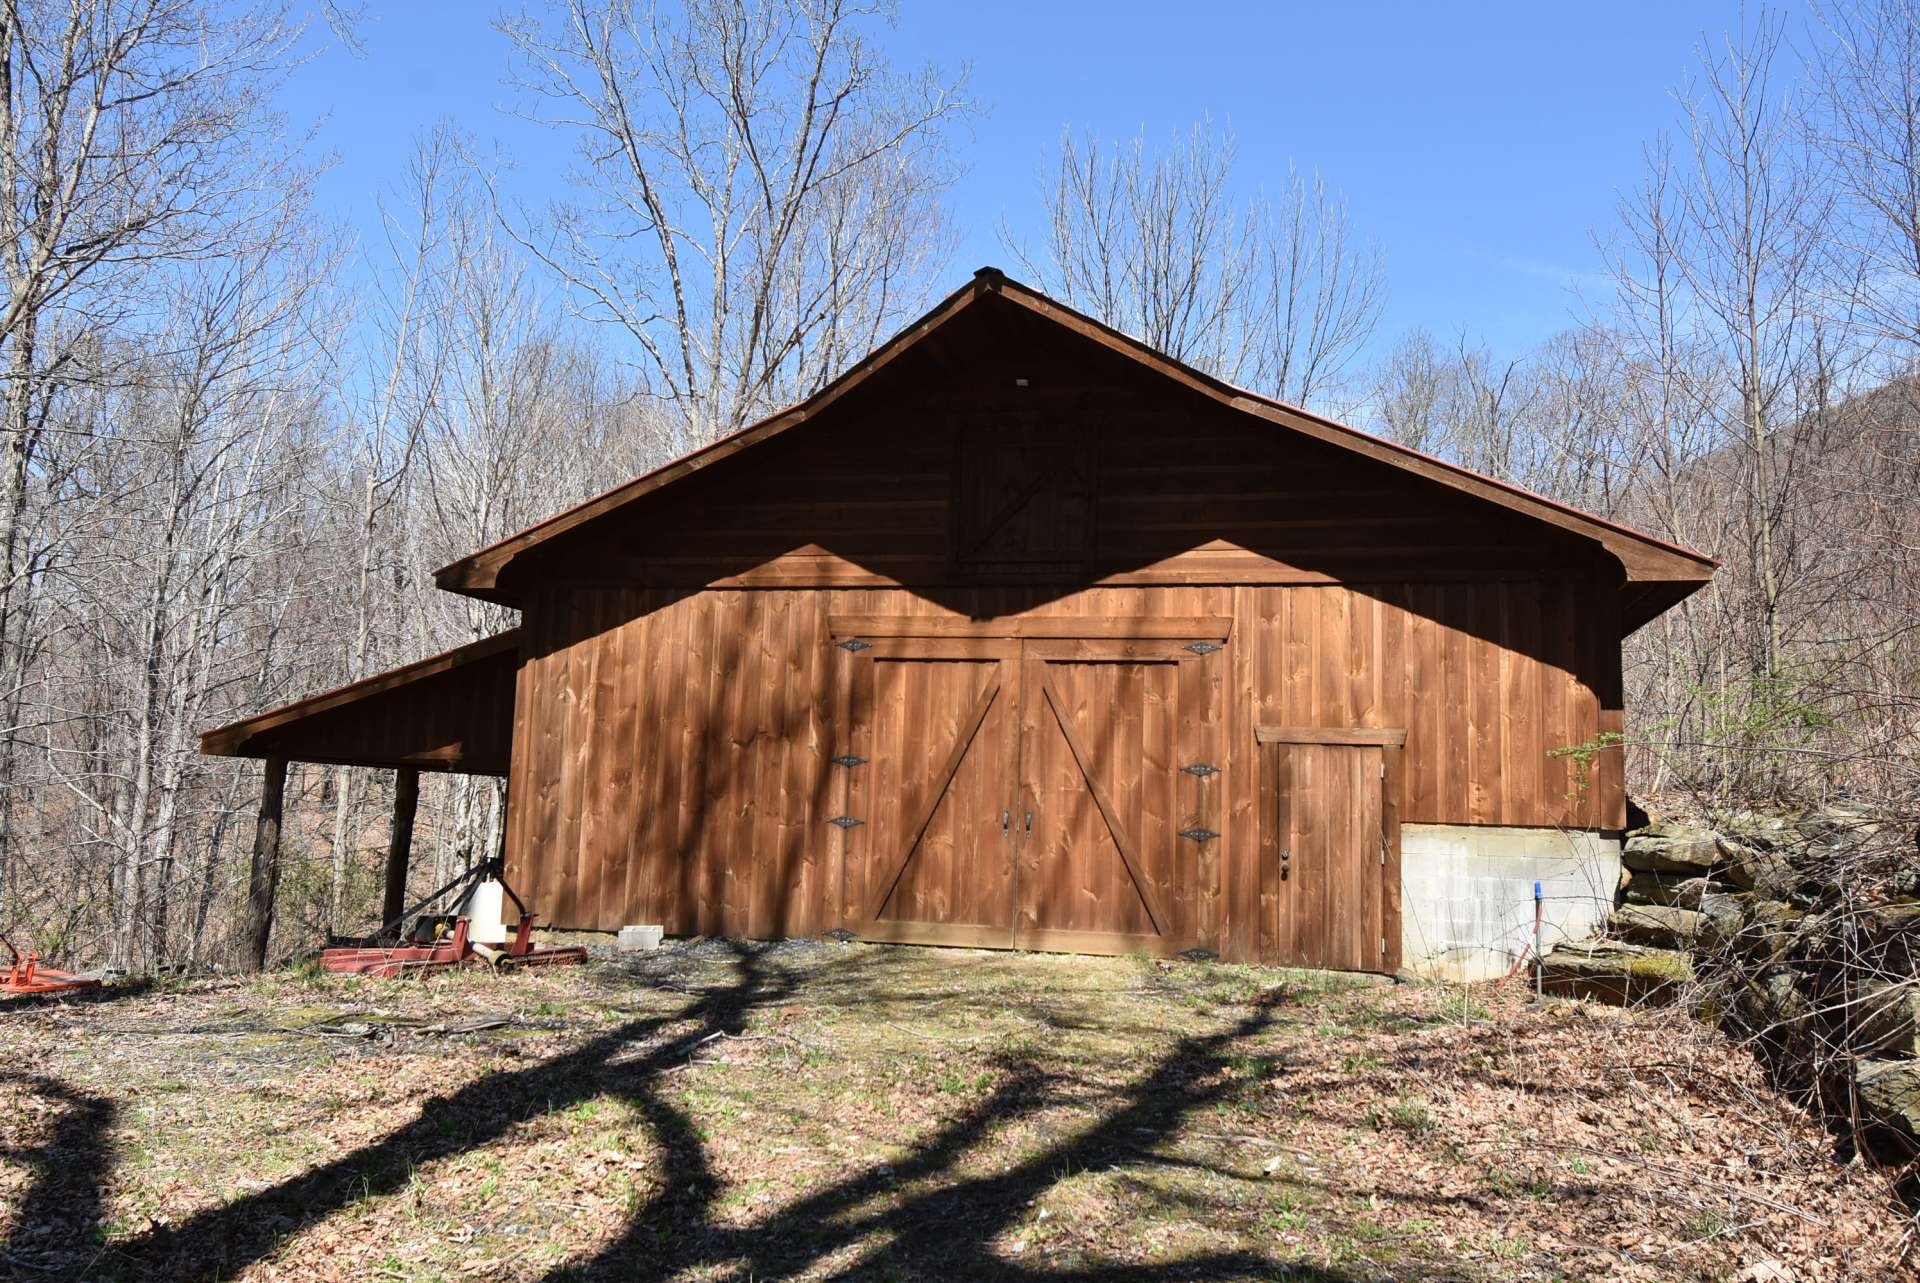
[848, 1111]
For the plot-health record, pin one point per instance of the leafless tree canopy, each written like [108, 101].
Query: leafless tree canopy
[234, 444]
[756, 195]
[1271, 291]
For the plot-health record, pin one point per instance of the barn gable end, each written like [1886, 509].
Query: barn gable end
[1020, 634]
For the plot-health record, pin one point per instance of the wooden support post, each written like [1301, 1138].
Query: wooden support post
[264, 875]
[406, 800]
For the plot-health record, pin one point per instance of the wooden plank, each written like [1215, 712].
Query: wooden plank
[811, 775]
[1109, 810]
[1276, 934]
[699, 759]
[1310, 868]
[1194, 628]
[960, 935]
[1109, 943]
[934, 791]
[773, 860]
[229, 740]
[1240, 830]
[1391, 923]
[859, 677]
[1350, 735]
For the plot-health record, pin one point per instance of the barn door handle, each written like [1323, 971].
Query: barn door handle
[1285, 855]
[1029, 821]
[1006, 819]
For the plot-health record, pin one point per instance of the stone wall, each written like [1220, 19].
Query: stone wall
[1466, 893]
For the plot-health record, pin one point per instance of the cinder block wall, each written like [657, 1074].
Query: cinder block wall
[1466, 893]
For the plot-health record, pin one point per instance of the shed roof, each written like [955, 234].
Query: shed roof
[449, 712]
[1658, 574]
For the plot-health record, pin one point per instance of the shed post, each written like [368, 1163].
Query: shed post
[406, 801]
[264, 874]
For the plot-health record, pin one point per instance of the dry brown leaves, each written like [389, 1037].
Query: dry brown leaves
[911, 1114]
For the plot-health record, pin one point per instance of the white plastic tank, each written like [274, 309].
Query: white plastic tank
[485, 907]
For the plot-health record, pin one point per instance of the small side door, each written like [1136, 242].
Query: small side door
[1330, 851]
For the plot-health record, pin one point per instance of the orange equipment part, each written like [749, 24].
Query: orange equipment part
[26, 975]
[453, 951]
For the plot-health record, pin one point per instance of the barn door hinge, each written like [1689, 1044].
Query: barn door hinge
[853, 645]
[1199, 834]
[849, 759]
[1203, 647]
[1200, 770]
[845, 821]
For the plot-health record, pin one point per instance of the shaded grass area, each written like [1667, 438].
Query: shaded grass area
[846, 1111]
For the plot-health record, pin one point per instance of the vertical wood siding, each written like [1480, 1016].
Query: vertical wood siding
[672, 747]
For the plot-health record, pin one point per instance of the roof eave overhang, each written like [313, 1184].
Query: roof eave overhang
[276, 731]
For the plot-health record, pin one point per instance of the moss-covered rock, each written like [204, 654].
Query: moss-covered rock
[1682, 891]
[1616, 971]
[1885, 1021]
[1659, 849]
[1889, 1094]
[1656, 924]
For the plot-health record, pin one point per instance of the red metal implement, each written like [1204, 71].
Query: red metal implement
[455, 950]
[27, 975]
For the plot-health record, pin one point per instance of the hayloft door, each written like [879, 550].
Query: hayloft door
[930, 860]
[1117, 851]
[1330, 863]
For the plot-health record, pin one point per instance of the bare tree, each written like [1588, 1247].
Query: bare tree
[127, 132]
[757, 190]
[1867, 126]
[1755, 210]
[1273, 293]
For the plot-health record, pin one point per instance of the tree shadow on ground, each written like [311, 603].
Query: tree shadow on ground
[60, 1213]
[929, 1215]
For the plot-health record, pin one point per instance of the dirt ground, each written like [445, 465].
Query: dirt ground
[860, 1112]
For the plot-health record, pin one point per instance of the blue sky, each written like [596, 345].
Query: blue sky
[1480, 145]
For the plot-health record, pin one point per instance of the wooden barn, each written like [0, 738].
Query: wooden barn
[1022, 635]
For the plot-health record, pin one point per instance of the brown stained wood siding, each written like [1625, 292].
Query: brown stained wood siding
[673, 757]
[453, 713]
[927, 480]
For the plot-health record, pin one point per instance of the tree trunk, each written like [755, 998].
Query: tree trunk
[406, 799]
[264, 875]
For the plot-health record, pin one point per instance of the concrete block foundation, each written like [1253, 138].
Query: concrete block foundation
[1466, 893]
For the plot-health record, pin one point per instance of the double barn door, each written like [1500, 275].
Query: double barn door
[1037, 792]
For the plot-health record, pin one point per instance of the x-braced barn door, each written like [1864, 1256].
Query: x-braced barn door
[929, 852]
[1330, 859]
[1118, 849]
[1044, 793]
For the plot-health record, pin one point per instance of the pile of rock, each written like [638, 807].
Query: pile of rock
[1687, 891]
[1801, 933]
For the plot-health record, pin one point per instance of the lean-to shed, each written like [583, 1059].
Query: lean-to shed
[1021, 634]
